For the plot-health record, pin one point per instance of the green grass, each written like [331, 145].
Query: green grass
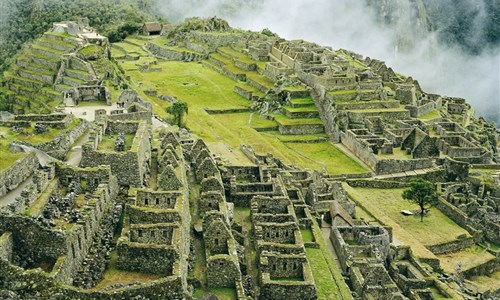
[468, 258]
[307, 235]
[7, 157]
[329, 157]
[112, 275]
[386, 206]
[287, 121]
[327, 275]
[342, 92]
[430, 116]
[202, 88]
[40, 202]
[108, 142]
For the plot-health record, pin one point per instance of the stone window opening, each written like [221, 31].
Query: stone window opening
[157, 201]
[274, 267]
[73, 251]
[284, 266]
[96, 181]
[295, 266]
[267, 234]
[153, 235]
[216, 242]
[79, 243]
[165, 234]
[139, 233]
[146, 201]
[277, 234]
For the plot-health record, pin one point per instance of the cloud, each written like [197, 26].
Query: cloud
[353, 25]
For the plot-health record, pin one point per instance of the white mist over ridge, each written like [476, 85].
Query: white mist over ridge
[351, 25]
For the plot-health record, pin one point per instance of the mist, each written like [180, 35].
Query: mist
[442, 69]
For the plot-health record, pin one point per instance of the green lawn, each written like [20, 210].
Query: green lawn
[113, 276]
[327, 276]
[202, 87]
[386, 206]
[7, 157]
[108, 142]
[468, 258]
[307, 235]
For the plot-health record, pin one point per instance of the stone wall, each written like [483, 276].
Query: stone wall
[6, 246]
[153, 258]
[18, 172]
[60, 145]
[157, 199]
[33, 284]
[130, 167]
[452, 246]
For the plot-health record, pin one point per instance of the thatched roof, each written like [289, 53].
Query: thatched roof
[152, 26]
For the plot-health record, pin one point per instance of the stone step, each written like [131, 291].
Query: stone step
[51, 63]
[48, 52]
[304, 112]
[56, 44]
[38, 68]
[82, 75]
[52, 94]
[62, 87]
[64, 37]
[72, 81]
[29, 83]
[301, 102]
[47, 78]
[299, 126]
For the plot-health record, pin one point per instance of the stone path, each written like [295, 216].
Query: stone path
[12, 195]
[75, 153]
[406, 174]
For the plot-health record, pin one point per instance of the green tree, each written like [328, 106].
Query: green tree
[423, 193]
[177, 110]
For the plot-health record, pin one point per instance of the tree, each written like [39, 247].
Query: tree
[177, 110]
[423, 193]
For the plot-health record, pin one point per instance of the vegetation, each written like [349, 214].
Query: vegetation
[386, 205]
[423, 193]
[177, 110]
[24, 20]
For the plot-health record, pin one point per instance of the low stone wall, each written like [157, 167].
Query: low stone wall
[453, 213]
[300, 129]
[361, 150]
[20, 170]
[417, 111]
[377, 184]
[488, 267]
[135, 116]
[59, 146]
[36, 284]
[452, 246]
[257, 85]
[166, 54]
[388, 166]
[242, 92]
[367, 105]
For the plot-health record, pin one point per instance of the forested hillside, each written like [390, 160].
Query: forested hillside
[23, 20]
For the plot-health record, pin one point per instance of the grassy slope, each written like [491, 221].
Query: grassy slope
[386, 204]
[202, 87]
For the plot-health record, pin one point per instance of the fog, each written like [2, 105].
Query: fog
[350, 24]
